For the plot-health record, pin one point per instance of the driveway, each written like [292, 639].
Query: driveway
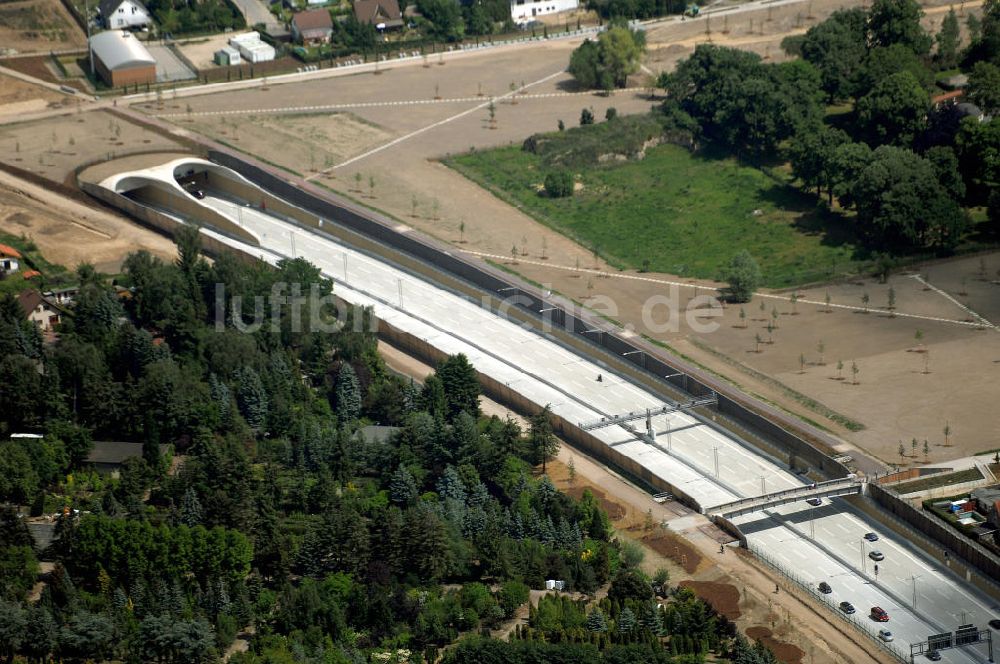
[255, 11]
[168, 66]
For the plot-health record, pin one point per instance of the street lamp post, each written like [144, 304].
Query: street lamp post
[715, 452]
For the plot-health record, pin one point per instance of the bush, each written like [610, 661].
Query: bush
[611, 113]
[744, 276]
[559, 184]
[586, 117]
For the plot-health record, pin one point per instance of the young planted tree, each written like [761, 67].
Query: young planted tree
[757, 341]
[828, 309]
[902, 452]
[371, 186]
[794, 298]
[892, 302]
[855, 371]
[840, 370]
[821, 349]
[770, 332]
[913, 447]
[927, 450]
[802, 363]
[743, 318]
[947, 434]
[571, 469]
[774, 316]
[865, 299]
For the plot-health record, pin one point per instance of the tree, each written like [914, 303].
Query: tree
[559, 184]
[586, 117]
[927, 449]
[608, 62]
[630, 583]
[945, 165]
[948, 39]
[444, 18]
[891, 298]
[13, 628]
[348, 394]
[626, 621]
[743, 276]
[251, 398]
[983, 89]
[894, 111]
[837, 48]
[541, 439]
[811, 152]
[898, 22]
[610, 114]
[191, 511]
[840, 369]
[596, 622]
[461, 386]
[821, 349]
[901, 204]
[855, 371]
[947, 433]
[402, 487]
[902, 452]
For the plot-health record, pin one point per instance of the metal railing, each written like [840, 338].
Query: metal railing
[826, 600]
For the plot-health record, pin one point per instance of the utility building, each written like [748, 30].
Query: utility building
[121, 59]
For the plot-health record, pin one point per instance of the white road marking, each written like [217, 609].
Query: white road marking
[958, 304]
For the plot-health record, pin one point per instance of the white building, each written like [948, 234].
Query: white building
[252, 48]
[124, 14]
[523, 11]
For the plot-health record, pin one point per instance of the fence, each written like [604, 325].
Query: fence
[937, 530]
[856, 620]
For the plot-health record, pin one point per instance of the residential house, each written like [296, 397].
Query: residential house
[107, 456]
[40, 310]
[525, 11]
[383, 14]
[10, 259]
[313, 26]
[63, 296]
[124, 14]
[987, 501]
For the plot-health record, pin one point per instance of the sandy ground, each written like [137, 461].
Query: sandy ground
[69, 233]
[54, 147]
[687, 544]
[18, 97]
[201, 52]
[302, 143]
[38, 26]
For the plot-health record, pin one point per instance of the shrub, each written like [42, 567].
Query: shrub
[559, 184]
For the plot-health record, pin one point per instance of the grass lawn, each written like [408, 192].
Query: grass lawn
[677, 213]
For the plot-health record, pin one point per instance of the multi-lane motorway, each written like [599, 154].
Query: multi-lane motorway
[812, 544]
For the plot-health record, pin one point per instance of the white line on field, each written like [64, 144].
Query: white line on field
[431, 126]
[784, 298]
[948, 297]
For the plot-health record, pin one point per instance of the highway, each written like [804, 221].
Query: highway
[829, 548]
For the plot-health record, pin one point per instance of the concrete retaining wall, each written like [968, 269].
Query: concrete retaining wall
[938, 531]
[561, 325]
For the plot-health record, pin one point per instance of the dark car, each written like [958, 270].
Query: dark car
[871, 537]
[879, 614]
[876, 555]
[847, 608]
[933, 655]
[995, 623]
[815, 502]
[198, 193]
[825, 588]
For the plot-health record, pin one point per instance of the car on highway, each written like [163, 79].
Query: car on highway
[871, 537]
[825, 588]
[885, 635]
[995, 623]
[815, 502]
[934, 655]
[876, 555]
[879, 614]
[198, 193]
[847, 608]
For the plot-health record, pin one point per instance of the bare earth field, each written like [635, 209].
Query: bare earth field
[201, 52]
[303, 143]
[424, 113]
[38, 26]
[54, 147]
[18, 97]
[69, 233]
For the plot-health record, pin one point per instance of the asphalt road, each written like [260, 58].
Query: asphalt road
[688, 450]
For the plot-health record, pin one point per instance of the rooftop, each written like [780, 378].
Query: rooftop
[313, 19]
[119, 49]
[376, 12]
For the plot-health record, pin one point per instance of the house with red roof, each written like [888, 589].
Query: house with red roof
[10, 259]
